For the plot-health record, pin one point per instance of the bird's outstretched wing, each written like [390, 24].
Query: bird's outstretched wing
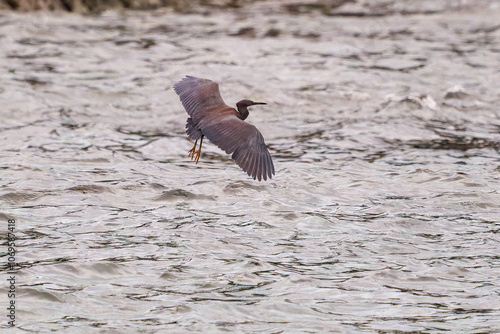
[199, 96]
[245, 143]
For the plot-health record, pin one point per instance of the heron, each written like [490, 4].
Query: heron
[211, 117]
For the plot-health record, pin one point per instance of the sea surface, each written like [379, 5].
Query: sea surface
[383, 215]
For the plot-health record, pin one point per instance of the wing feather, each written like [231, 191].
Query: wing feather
[260, 166]
[246, 161]
[243, 141]
[253, 165]
[199, 95]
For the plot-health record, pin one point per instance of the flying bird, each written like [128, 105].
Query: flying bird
[224, 126]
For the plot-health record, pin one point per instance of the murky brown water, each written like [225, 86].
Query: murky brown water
[383, 215]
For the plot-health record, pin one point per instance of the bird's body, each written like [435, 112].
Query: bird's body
[224, 126]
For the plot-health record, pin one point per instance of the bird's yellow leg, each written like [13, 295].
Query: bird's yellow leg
[198, 153]
[191, 151]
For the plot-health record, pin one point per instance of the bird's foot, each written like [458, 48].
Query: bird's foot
[192, 151]
[198, 153]
[193, 154]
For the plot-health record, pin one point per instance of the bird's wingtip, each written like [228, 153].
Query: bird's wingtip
[187, 77]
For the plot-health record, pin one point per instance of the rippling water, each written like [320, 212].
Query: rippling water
[382, 216]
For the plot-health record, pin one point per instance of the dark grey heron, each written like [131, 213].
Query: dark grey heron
[224, 126]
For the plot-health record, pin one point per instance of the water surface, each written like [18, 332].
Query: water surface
[382, 216]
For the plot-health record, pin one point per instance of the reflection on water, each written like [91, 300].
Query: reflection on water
[382, 216]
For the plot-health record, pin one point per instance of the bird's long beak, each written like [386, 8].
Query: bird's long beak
[259, 103]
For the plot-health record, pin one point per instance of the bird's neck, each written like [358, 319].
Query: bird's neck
[242, 112]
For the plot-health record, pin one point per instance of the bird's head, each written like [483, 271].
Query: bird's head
[243, 105]
[248, 103]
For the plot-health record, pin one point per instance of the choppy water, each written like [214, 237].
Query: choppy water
[383, 216]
